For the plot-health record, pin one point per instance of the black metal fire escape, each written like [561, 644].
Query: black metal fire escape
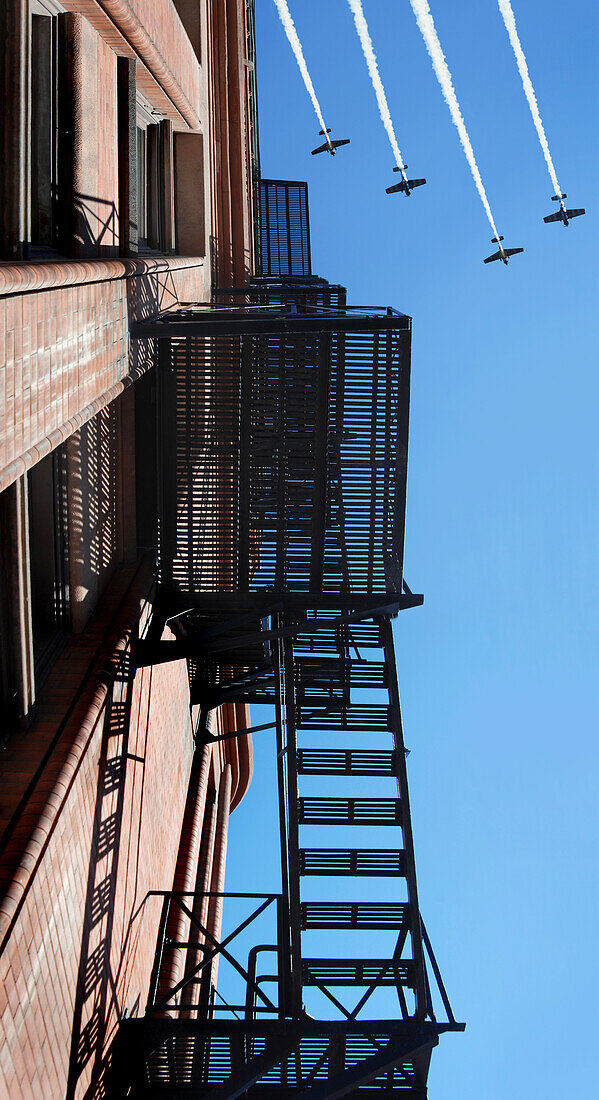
[287, 600]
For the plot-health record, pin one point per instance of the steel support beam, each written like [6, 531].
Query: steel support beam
[241, 323]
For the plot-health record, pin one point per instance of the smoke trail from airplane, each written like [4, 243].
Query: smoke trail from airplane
[509, 19]
[373, 69]
[428, 30]
[296, 46]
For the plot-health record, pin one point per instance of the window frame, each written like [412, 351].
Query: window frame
[47, 53]
[57, 561]
[155, 187]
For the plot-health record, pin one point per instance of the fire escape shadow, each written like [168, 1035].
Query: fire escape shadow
[87, 1066]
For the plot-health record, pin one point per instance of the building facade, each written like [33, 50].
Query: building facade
[127, 181]
[203, 463]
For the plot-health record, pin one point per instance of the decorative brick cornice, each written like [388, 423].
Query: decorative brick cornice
[125, 19]
[19, 278]
[119, 25]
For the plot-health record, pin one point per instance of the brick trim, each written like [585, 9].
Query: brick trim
[117, 16]
[34, 455]
[21, 278]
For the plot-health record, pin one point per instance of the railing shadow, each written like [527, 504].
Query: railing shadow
[95, 226]
[94, 980]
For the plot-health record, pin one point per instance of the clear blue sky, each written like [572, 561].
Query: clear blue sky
[498, 670]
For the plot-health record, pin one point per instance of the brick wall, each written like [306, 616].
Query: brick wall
[103, 826]
[65, 349]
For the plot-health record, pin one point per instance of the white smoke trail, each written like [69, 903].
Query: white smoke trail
[296, 46]
[429, 33]
[373, 69]
[509, 19]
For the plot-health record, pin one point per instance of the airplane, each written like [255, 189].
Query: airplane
[562, 215]
[503, 253]
[329, 146]
[406, 185]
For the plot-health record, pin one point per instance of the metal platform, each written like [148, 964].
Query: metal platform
[283, 431]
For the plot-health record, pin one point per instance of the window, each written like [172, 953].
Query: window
[46, 71]
[142, 186]
[48, 557]
[12, 705]
[155, 198]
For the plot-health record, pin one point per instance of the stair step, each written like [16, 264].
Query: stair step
[358, 972]
[353, 914]
[351, 716]
[337, 639]
[345, 762]
[349, 811]
[330, 674]
[367, 862]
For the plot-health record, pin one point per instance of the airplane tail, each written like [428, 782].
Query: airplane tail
[558, 198]
[496, 240]
[321, 133]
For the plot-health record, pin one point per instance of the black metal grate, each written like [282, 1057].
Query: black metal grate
[323, 676]
[353, 716]
[345, 762]
[357, 914]
[283, 461]
[343, 638]
[199, 1064]
[365, 862]
[349, 811]
[284, 228]
[358, 972]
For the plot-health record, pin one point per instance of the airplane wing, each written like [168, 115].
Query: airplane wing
[416, 183]
[557, 217]
[512, 251]
[334, 144]
[495, 256]
[574, 213]
[396, 187]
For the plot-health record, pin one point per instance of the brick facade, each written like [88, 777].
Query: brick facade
[65, 349]
[103, 795]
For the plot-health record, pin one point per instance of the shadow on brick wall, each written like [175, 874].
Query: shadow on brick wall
[147, 296]
[96, 226]
[96, 984]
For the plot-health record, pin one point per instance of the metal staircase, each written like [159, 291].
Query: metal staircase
[358, 1020]
[283, 596]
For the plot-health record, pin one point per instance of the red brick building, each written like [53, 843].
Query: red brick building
[127, 176]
